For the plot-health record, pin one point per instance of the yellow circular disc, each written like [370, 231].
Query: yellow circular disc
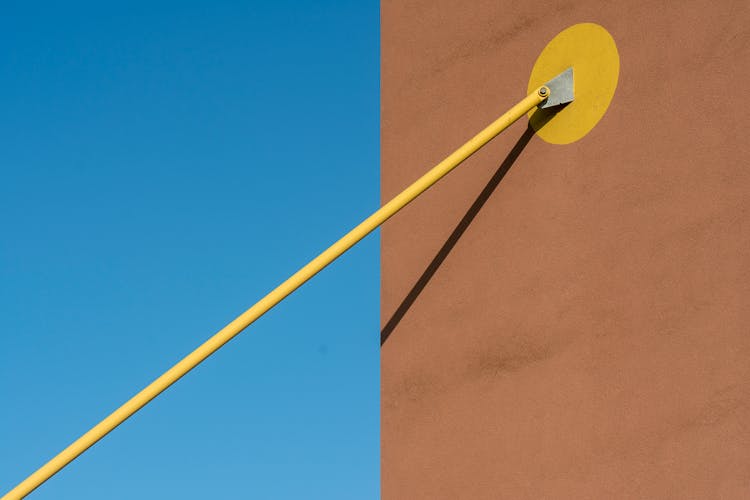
[590, 50]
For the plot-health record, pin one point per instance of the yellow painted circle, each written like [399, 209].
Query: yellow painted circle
[590, 50]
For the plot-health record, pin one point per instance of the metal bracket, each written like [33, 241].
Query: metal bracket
[562, 90]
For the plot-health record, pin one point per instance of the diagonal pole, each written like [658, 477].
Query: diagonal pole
[275, 296]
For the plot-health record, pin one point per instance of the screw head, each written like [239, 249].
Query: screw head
[543, 91]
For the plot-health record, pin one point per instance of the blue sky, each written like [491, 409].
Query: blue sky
[164, 165]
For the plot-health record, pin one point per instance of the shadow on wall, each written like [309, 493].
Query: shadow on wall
[462, 226]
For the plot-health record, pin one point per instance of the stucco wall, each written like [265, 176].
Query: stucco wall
[567, 321]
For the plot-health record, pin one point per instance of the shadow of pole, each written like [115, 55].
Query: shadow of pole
[460, 229]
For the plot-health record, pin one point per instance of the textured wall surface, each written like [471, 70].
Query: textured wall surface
[567, 321]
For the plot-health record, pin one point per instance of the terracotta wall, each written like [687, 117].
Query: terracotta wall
[567, 321]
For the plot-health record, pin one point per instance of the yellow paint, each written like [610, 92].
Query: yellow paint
[592, 53]
[274, 297]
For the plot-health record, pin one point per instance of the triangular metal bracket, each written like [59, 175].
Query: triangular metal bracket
[561, 90]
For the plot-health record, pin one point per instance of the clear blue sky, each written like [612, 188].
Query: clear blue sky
[163, 165]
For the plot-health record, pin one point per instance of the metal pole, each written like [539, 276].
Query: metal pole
[277, 295]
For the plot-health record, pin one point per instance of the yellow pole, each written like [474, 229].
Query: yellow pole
[277, 295]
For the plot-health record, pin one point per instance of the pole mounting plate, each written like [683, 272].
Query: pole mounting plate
[562, 90]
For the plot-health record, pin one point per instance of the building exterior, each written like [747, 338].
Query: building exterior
[567, 321]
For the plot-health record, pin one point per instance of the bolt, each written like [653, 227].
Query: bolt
[543, 91]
